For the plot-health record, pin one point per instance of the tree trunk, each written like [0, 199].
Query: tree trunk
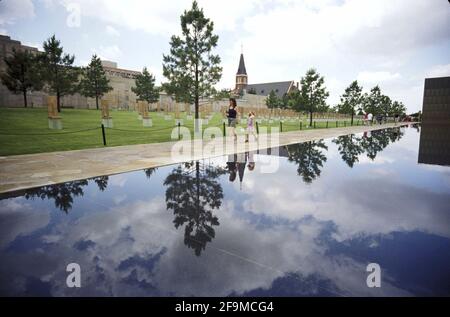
[25, 102]
[310, 118]
[58, 101]
[352, 117]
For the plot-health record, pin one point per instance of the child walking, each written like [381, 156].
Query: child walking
[251, 126]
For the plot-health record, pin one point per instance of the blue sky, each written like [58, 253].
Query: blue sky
[393, 43]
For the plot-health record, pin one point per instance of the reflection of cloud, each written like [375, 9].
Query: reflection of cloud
[19, 219]
[117, 180]
[135, 250]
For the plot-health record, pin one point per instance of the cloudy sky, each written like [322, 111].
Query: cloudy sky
[393, 43]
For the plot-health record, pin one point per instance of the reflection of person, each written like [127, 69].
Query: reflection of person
[231, 166]
[241, 163]
[232, 117]
[365, 119]
[251, 161]
[251, 126]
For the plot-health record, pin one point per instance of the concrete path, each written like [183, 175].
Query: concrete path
[34, 170]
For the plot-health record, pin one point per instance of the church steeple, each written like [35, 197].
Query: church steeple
[241, 69]
[241, 75]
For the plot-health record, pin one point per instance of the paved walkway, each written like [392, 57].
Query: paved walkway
[34, 170]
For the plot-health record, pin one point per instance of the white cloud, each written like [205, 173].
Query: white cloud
[377, 77]
[112, 53]
[12, 11]
[112, 31]
[439, 71]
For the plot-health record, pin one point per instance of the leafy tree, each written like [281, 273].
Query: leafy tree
[373, 101]
[351, 99]
[58, 71]
[94, 83]
[398, 108]
[386, 105]
[222, 94]
[272, 100]
[313, 92]
[22, 74]
[145, 87]
[191, 68]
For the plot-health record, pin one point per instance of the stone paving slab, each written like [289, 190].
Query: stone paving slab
[33, 170]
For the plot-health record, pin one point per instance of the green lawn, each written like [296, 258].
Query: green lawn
[24, 131]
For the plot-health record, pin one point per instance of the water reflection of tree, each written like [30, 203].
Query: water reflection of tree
[102, 182]
[63, 194]
[309, 157]
[149, 171]
[193, 193]
[349, 146]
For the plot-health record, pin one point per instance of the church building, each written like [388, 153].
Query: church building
[242, 86]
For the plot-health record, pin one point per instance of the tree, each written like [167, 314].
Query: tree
[386, 105]
[21, 74]
[191, 68]
[272, 100]
[398, 108]
[373, 101]
[309, 157]
[313, 92]
[59, 73]
[222, 94]
[94, 83]
[145, 87]
[351, 99]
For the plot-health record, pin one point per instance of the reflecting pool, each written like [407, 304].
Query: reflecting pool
[223, 227]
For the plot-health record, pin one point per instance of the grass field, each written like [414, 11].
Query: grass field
[24, 131]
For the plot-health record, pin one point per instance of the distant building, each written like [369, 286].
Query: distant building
[8, 99]
[120, 79]
[242, 86]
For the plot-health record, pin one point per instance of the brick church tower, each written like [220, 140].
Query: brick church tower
[241, 76]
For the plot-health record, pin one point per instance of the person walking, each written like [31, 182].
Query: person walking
[232, 115]
[370, 118]
[251, 126]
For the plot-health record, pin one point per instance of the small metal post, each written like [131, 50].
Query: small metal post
[327, 124]
[314, 124]
[179, 132]
[257, 127]
[337, 124]
[345, 123]
[281, 126]
[224, 130]
[103, 134]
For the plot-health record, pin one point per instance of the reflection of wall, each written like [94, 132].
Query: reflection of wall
[435, 144]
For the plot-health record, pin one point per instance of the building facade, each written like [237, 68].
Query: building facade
[435, 129]
[121, 97]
